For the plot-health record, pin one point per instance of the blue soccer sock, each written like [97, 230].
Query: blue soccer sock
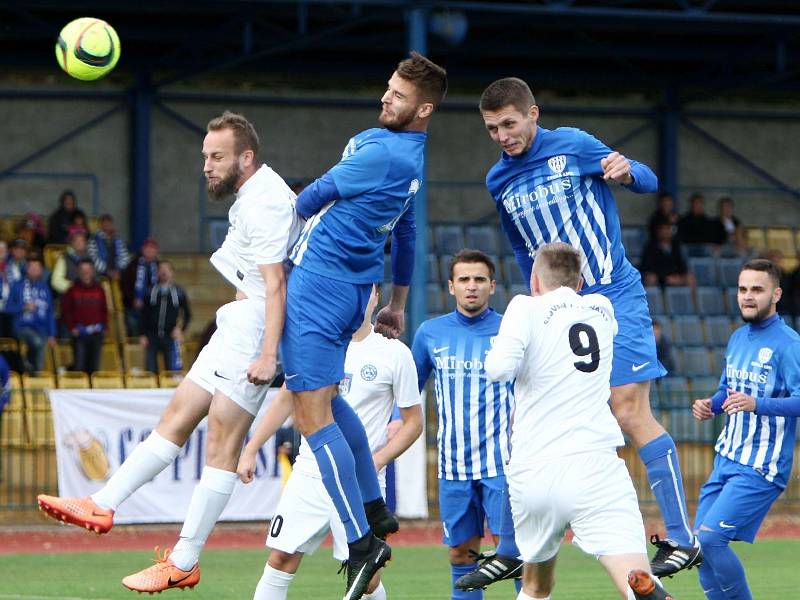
[727, 568]
[356, 437]
[507, 545]
[660, 458]
[709, 583]
[337, 468]
[457, 571]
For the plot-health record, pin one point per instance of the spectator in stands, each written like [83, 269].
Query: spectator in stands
[787, 306]
[60, 220]
[5, 394]
[4, 256]
[694, 227]
[10, 303]
[35, 324]
[663, 347]
[84, 312]
[664, 213]
[17, 263]
[107, 250]
[662, 260]
[65, 271]
[729, 229]
[166, 304]
[79, 221]
[32, 230]
[137, 280]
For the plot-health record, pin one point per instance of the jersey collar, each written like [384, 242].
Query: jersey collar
[761, 325]
[465, 320]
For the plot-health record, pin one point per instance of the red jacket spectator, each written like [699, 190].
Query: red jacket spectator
[83, 308]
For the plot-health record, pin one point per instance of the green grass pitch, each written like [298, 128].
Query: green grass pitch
[416, 573]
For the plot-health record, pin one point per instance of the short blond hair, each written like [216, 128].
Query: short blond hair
[560, 265]
[244, 134]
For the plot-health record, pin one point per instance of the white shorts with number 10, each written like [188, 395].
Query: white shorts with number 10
[591, 493]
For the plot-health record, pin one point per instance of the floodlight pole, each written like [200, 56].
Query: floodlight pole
[418, 41]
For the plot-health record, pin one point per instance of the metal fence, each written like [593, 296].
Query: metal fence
[28, 463]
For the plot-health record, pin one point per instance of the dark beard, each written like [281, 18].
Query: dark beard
[758, 317]
[226, 187]
[400, 122]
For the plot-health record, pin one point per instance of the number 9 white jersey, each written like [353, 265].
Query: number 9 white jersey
[559, 347]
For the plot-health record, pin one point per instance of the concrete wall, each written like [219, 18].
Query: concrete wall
[302, 142]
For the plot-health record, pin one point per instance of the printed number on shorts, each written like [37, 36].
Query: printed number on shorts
[277, 524]
[583, 342]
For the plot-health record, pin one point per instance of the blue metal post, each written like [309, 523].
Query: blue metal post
[670, 120]
[142, 106]
[418, 309]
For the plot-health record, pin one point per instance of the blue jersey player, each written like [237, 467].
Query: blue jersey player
[350, 210]
[759, 391]
[552, 185]
[474, 421]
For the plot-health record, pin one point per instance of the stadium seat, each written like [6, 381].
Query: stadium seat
[729, 271]
[633, 239]
[688, 331]
[38, 381]
[711, 301]
[8, 344]
[696, 250]
[387, 268]
[499, 300]
[133, 353]
[518, 289]
[143, 380]
[13, 428]
[718, 330]
[109, 358]
[678, 300]
[756, 238]
[781, 238]
[62, 354]
[104, 380]
[483, 238]
[170, 379]
[434, 274]
[505, 244]
[73, 380]
[696, 362]
[512, 271]
[731, 299]
[674, 391]
[436, 303]
[655, 300]
[448, 239]
[50, 253]
[685, 428]
[704, 269]
[704, 387]
[718, 359]
[444, 269]
[189, 352]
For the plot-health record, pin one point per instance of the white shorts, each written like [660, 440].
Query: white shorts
[222, 364]
[304, 516]
[590, 492]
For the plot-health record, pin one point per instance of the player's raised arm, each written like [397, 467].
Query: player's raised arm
[274, 417]
[503, 359]
[390, 320]
[613, 166]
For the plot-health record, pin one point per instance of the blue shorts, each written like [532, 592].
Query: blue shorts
[635, 358]
[734, 500]
[463, 506]
[321, 316]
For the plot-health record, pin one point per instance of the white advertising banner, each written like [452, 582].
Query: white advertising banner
[95, 430]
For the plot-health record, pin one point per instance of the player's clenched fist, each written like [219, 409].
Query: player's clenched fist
[247, 466]
[262, 371]
[617, 168]
[701, 409]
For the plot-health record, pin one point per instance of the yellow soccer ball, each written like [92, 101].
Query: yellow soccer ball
[87, 48]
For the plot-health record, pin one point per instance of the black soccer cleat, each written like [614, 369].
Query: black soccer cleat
[362, 565]
[494, 568]
[381, 520]
[671, 557]
[644, 587]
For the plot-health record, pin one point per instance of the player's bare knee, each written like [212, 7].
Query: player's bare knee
[459, 555]
[283, 561]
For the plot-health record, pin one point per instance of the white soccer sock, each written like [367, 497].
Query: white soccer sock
[523, 596]
[209, 499]
[147, 460]
[273, 585]
[378, 594]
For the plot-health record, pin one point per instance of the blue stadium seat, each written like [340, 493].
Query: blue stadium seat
[711, 301]
[718, 330]
[685, 428]
[444, 268]
[655, 300]
[674, 391]
[448, 239]
[703, 387]
[704, 269]
[729, 271]
[678, 300]
[718, 359]
[688, 331]
[499, 300]
[633, 238]
[512, 271]
[696, 362]
[732, 302]
[517, 289]
[694, 250]
[436, 302]
[483, 238]
[434, 275]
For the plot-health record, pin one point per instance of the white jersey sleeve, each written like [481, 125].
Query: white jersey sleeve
[404, 386]
[513, 338]
[266, 226]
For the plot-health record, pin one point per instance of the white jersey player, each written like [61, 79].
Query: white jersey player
[564, 470]
[227, 381]
[379, 374]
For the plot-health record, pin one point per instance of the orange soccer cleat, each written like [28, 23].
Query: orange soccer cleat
[163, 575]
[645, 587]
[82, 512]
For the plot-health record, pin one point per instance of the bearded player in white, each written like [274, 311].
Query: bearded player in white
[564, 470]
[379, 374]
[229, 380]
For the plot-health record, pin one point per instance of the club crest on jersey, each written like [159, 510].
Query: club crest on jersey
[350, 149]
[344, 384]
[764, 355]
[557, 163]
[369, 372]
